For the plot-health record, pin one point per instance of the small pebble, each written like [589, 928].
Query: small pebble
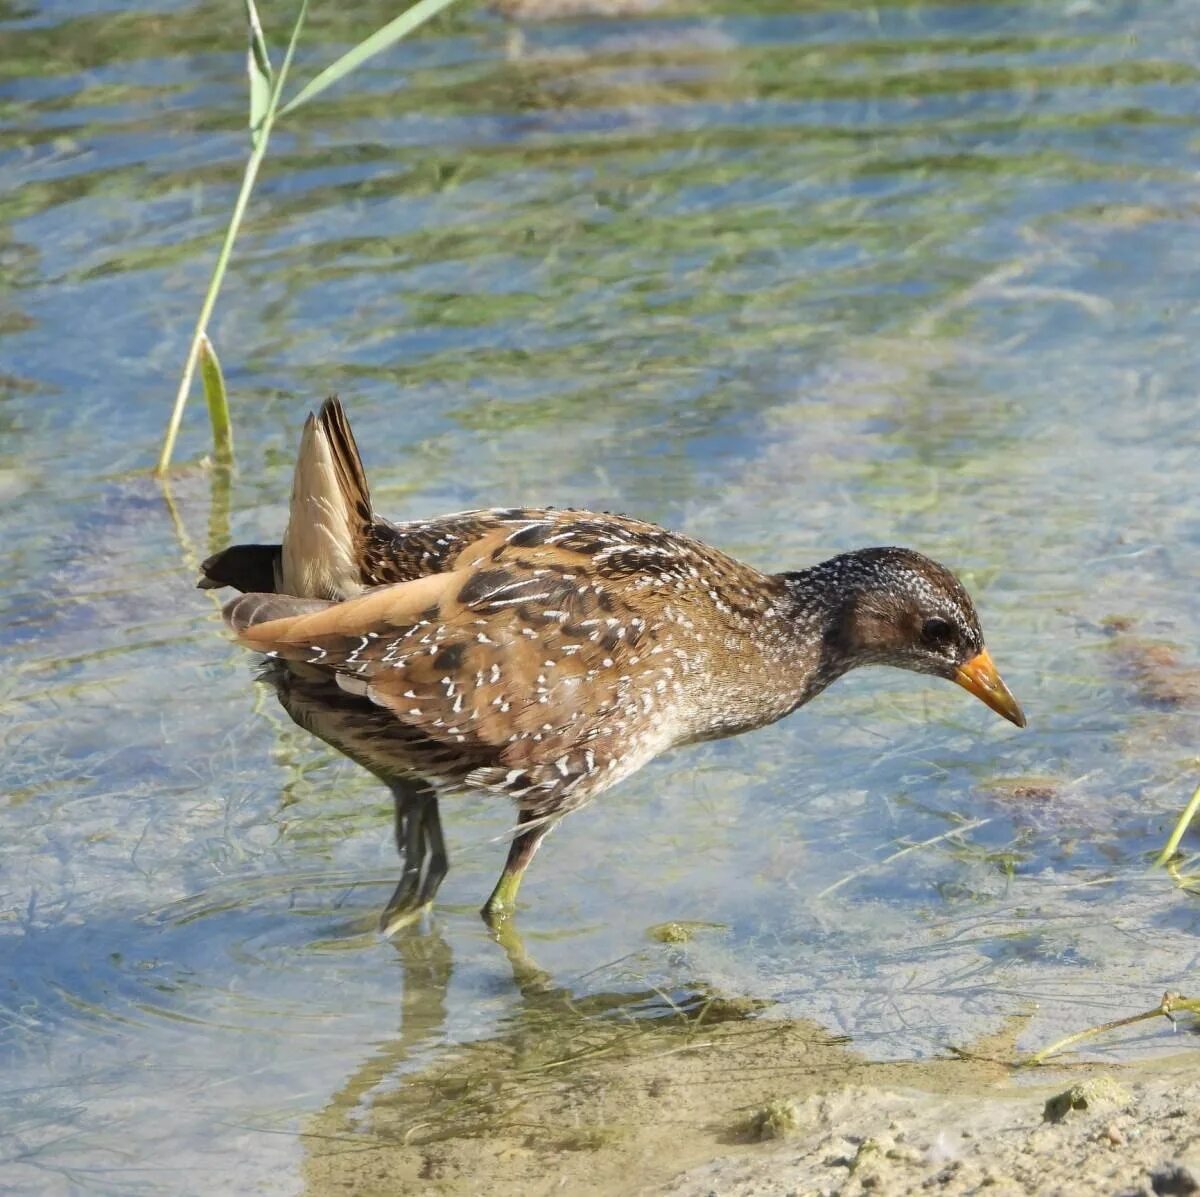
[1174, 1180]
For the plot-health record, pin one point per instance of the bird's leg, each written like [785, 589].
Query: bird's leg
[502, 902]
[419, 840]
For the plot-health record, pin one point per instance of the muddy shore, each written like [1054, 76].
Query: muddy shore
[723, 1101]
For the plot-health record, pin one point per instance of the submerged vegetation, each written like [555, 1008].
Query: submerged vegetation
[791, 277]
[1153, 667]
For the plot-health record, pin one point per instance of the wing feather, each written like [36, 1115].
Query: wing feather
[520, 655]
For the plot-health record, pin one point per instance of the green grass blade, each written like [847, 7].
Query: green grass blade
[379, 41]
[258, 68]
[226, 251]
[1181, 826]
[218, 402]
[301, 13]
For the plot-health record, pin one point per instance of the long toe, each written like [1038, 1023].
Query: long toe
[396, 917]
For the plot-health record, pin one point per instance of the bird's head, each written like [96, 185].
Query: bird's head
[897, 607]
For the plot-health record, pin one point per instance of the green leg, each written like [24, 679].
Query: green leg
[501, 905]
[419, 839]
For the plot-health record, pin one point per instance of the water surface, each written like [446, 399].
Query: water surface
[794, 278]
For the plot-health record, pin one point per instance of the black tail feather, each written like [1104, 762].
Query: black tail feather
[347, 459]
[246, 567]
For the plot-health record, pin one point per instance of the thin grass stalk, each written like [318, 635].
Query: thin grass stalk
[1181, 826]
[263, 114]
[235, 223]
[887, 860]
[210, 302]
[1171, 1004]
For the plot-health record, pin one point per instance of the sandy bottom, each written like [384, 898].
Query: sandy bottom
[1107, 1133]
[714, 1098]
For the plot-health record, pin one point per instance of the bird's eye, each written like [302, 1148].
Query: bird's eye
[937, 631]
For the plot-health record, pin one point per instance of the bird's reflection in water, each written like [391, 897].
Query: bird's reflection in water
[552, 1034]
[551, 1023]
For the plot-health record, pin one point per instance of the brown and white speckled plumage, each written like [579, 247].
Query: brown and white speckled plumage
[554, 652]
[546, 654]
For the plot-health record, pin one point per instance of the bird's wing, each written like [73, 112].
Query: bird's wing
[523, 650]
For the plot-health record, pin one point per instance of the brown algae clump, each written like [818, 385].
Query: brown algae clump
[1031, 787]
[1157, 672]
[1096, 1093]
[680, 931]
[780, 1118]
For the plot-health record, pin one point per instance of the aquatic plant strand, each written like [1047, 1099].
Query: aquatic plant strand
[260, 138]
[1181, 826]
[265, 95]
[217, 399]
[1171, 1004]
[887, 860]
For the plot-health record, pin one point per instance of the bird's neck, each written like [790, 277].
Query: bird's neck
[818, 600]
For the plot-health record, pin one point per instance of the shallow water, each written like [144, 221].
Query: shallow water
[792, 278]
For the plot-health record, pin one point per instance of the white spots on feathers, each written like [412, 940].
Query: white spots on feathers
[569, 649]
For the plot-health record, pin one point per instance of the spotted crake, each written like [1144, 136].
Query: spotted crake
[546, 654]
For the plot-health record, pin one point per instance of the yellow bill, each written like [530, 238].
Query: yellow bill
[980, 677]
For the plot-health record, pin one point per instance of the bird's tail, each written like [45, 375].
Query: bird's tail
[328, 522]
[330, 511]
